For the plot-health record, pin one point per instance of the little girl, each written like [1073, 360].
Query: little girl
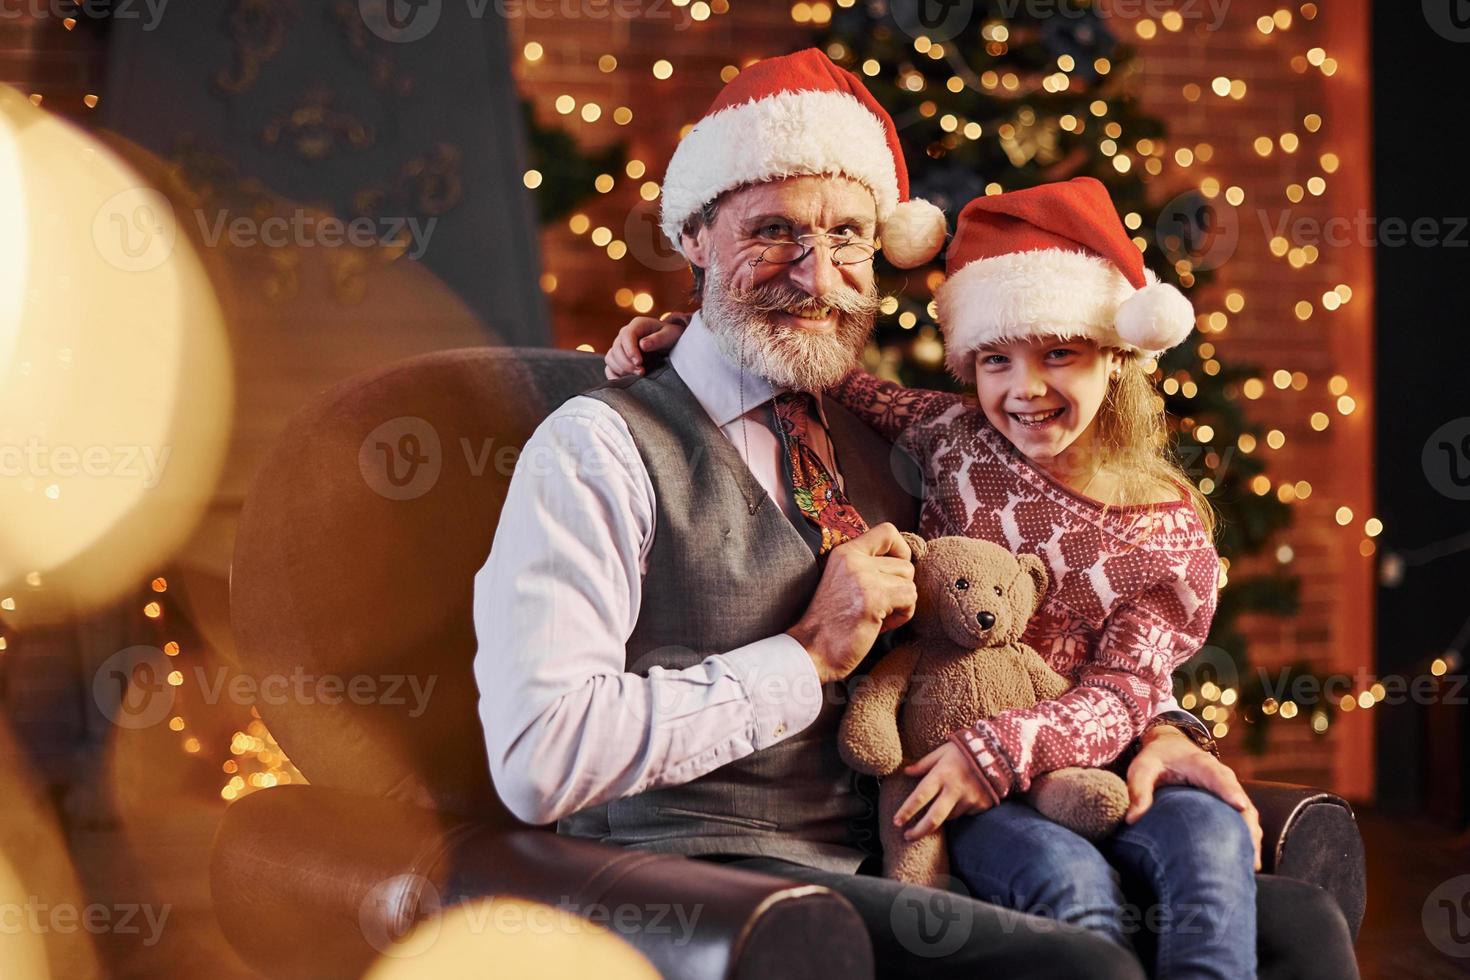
[1049, 311]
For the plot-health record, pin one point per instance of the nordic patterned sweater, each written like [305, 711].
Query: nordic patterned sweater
[1133, 588]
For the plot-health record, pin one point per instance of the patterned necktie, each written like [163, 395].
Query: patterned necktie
[817, 495]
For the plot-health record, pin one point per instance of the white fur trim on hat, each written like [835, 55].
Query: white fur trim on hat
[913, 234]
[1056, 293]
[1156, 317]
[783, 135]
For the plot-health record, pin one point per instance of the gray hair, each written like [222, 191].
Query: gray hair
[703, 218]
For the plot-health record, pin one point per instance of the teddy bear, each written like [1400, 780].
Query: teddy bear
[966, 662]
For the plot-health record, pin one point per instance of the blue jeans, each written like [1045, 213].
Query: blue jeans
[1179, 885]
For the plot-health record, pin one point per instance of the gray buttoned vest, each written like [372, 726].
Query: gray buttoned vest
[727, 568]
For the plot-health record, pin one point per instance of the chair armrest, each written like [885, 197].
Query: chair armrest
[312, 882]
[1312, 836]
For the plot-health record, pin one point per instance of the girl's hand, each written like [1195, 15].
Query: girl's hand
[951, 788]
[1167, 758]
[642, 334]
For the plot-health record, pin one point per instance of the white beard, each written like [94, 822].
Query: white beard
[748, 334]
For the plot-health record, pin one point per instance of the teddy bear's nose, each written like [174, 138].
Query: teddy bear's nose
[985, 619]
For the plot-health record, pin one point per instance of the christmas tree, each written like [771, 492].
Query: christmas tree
[1022, 100]
[564, 171]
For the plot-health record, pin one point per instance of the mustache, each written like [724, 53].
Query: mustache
[779, 297]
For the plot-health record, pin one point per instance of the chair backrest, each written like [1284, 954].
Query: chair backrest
[354, 563]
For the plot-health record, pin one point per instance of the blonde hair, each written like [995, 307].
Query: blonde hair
[1133, 439]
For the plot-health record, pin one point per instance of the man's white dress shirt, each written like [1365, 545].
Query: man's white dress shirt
[566, 727]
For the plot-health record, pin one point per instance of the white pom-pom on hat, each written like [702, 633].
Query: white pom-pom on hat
[913, 233]
[1156, 317]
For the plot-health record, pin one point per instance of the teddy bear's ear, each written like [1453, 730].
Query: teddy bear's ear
[1036, 568]
[916, 544]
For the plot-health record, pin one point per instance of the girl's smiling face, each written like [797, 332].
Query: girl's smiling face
[1043, 395]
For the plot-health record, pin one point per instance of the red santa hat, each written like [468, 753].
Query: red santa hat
[1053, 261]
[793, 115]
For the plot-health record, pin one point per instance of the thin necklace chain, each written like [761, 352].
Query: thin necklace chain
[745, 438]
[1088, 484]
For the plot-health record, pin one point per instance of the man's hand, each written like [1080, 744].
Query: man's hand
[640, 335]
[1168, 757]
[950, 782]
[867, 588]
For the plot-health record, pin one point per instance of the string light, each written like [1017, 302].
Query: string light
[256, 749]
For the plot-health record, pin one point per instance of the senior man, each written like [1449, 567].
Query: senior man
[670, 617]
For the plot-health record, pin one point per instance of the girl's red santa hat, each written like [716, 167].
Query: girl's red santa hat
[1053, 261]
[800, 114]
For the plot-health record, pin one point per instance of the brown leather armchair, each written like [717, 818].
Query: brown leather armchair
[354, 561]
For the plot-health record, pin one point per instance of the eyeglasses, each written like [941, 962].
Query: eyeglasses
[846, 251]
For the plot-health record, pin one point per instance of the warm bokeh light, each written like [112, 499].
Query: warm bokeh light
[115, 379]
[22, 951]
[521, 939]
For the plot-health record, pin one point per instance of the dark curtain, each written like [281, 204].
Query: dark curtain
[1423, 401]
[403, 114]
